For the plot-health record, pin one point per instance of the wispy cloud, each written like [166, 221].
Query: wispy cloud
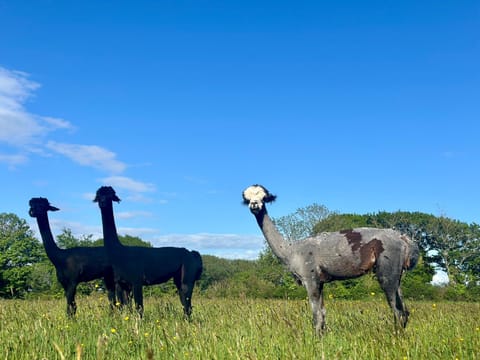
[25, 133]
[21, 130]
[15, 88]
[89, 155]
[132, 214]
[13, 160]
[123, 182]
[18, 126]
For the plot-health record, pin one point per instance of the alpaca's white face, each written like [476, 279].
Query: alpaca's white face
[254, 197]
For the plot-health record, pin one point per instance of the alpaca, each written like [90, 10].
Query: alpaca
[339, 255]
[74, 265]
[137, 266]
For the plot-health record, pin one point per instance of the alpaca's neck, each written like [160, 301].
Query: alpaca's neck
[110, 236]
[51, 248]
[274, 239]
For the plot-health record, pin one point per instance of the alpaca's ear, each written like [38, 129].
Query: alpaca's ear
[113, 194]
[52, 208]
[269, 198]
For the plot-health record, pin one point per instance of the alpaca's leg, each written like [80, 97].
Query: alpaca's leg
[70, 290]
[402, 308]
[126, 294]
[315, 296]
[122, 292]
[138, 297]
[322, 306]
[391, 287]
[185, 289]
[185, 293]
[110, 286]
[389, 273]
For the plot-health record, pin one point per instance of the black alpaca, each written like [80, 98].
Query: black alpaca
[74, 265]
[136, 266]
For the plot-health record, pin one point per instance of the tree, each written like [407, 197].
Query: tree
[43, 280]
[128, 240]
[19, 251]
[456, 249]
[301, 223]
[470, 262]
[336, 222]
[66, 240]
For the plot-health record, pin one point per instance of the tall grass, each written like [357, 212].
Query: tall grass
[236, 329]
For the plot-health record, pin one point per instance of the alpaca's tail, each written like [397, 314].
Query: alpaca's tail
[413, 252]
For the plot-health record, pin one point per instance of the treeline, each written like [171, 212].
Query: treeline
[446, 244]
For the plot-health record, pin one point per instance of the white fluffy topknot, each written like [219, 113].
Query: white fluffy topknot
[257, 193]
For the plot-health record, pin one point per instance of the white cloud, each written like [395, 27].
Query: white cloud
[228, 246]
[231, 246]
[18, 128]
[56, 123]
[143, 233]
[126, 183]
[89, 155]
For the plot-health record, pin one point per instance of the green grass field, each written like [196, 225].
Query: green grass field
[236, 329]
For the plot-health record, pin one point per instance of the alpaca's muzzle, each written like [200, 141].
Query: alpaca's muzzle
[255, 206]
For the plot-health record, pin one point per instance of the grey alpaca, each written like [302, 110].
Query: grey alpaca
[74, 265]
[339, 255]
[135, 266]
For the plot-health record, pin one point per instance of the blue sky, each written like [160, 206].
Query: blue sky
[180, 105]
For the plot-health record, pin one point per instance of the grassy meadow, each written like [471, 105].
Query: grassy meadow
[236, 329]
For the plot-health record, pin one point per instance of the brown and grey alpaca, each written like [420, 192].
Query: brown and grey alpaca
[337, 256]
[136, 266]
[74, 265]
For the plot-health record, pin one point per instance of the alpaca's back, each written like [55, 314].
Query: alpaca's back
[86, 263]
[150, 265]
